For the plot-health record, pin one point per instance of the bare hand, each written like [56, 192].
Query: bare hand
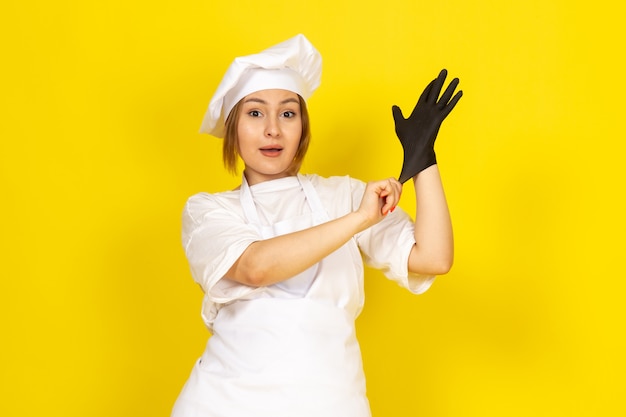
[379, 199]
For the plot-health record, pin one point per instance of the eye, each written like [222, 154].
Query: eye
[254, 113]
[289, 114]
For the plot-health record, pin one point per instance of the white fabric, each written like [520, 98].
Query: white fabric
[278, 358]
[215, 234]
[287, 349]
[293, 65]
[256, 79]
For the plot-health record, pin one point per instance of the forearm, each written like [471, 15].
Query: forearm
[433, 252]
[267, 262]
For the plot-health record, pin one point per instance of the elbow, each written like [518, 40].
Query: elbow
[443, 264]
[248, 270]
[431, 262]
[442, 267]
[432, 268]
[253, 277]
[247, 274]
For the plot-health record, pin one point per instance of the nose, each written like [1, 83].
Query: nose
[272, 129]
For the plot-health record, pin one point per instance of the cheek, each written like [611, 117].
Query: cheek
[295, 133]
[244, 137]
[294, 138]
[244, 130]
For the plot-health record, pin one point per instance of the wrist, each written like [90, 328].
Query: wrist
[359, 221]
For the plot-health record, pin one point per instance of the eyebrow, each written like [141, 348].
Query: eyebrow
[258, 100]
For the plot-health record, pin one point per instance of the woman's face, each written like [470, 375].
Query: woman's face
[269, 132]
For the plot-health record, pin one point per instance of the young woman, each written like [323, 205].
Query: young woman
[280, 259]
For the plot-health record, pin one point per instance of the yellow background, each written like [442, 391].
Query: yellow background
[101, 102]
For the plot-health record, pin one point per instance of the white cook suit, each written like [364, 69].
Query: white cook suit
[288, 349]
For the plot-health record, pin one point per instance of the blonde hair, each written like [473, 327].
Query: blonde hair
[230, 152]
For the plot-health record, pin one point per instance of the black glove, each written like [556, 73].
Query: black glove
[418, 133]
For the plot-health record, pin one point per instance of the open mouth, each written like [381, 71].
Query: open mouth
[271, 150]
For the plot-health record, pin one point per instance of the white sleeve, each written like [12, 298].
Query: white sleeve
[387, 245]
[214, 236]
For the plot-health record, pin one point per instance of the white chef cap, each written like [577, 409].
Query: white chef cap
[293, 65]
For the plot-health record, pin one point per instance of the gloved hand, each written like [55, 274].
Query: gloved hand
[417, 134]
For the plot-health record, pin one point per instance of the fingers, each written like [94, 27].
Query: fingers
[445, 98]
[379, 199]
[390, 193]
[397, 114]
[452, 103]
[431, 95]
[437, 85]
[426, 93]
[446, 103]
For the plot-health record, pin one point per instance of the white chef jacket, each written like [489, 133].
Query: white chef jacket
[217, 229]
